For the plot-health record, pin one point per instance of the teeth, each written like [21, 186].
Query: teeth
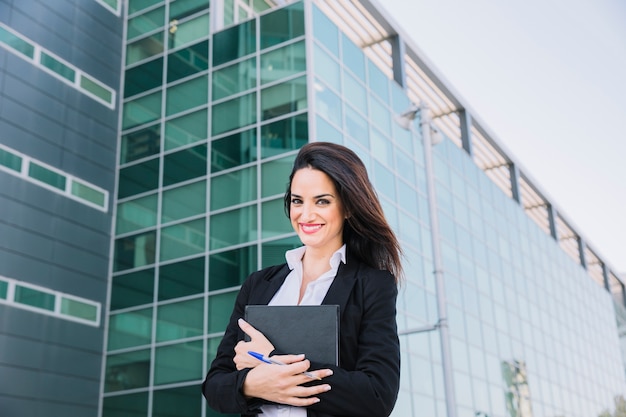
[311, 228]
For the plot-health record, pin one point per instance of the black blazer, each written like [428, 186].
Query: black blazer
[367, 381]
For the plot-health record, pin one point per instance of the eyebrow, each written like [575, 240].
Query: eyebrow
[316, 196]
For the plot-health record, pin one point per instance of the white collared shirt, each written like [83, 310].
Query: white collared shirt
[314, 294]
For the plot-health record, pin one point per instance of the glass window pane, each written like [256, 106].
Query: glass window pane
[143, 77]
[181, 279]
[187, 95]
[35, 298]
[283, 62]
[275, 176]
[185, 165]
[186, 129]
[47, 176]
[188, 61]
[384, 181]
[185, 201]
[327, 69]
[130, 405]
[142, 110]
[328, 104]
[137, 5]
[234, 114]
[357, 127]
[233, 227]
[282, 25]
[144, 48]
[132, 289]
[180, 320]
[134, 251]
[233, 188]
[139, 144]
[355, 93]
[284, 135]
[378, 82]
[325, 31]
[80, 309]
[274, 251]
[382, 148]
[234, 79]
[145, 23]
[17, 43]
[57, 66]
[230, 268]
[190, 31]
[133, 328]
[327, 132]
[127, 371]
[220, 308]
[274, 220]
[10, 160]
[179, 402]
[234, 42]
[136, 214]
[88, 193]
[233, 150]
[96, 88]
[380, 116]
[353, 57]
[284, 98]
[182, 240]
[4, 288]
[177, 363]
[181, 9]
[138, 178]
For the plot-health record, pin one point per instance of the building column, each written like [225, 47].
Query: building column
[466, 131]
[397, 58]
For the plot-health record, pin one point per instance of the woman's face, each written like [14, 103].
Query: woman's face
[316, 212]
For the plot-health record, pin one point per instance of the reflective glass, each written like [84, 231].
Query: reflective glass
[185, 165]
[34, 298]
[186, 201]
[220, 308]
[177, 363]
[357, 127]
[325, 31]
[17, 43]
[136, 214]
[145, 23]
[127, 371]
[405, 166]
[4, 287]
[282, 25]
[275, 176]
[142, 110]
[407, 197]
[187, 129]
[181, 279]
[284, 135]
[233, 227]
[46, 175]
[92, 87]
[273, 253]
[180, 320]
[186, 32]
[384, 180]
[234, 187]
[355, 93]
[139, 144]
[230, 268]
[183, 239]
[10, 160]
[87, 193]
[134, 251]
[233, 150]
[353, 57]
[185, 96]
[132, 289]
[188, 61]
[378, 81]
[380, 116]
[234, 79]
[328, 104]
[327, 132]
[129, 405]
[273, 218]
[137, 5]
[327, 69]
[138, 178]
[57, 66]
[143, 77]
[182, 9]
[133, 328]
[235, 42]
[179, 402]
[233, 114]
[381, 147]
[144, 48]
[283, 98]
[283, 62]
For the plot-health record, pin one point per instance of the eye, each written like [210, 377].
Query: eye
[322, 202]
[295, 200]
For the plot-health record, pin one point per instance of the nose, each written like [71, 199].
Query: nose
[308, 212]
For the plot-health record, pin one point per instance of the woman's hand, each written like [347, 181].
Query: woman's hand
[283, 383]
[258, 343]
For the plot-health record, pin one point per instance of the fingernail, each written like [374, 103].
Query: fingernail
[327, 388]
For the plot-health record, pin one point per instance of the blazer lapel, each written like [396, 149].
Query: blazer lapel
[341, 287]
[269, 285]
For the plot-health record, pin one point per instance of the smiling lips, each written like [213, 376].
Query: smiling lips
[310, 228]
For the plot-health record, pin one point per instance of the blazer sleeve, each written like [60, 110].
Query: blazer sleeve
[368, 381]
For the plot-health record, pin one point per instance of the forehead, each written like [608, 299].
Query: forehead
[310, 180]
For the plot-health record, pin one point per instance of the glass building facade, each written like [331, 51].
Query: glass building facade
[212, 103]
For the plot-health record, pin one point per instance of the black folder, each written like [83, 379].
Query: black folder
[312, 330]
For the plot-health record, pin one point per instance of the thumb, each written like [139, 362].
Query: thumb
[249, 330]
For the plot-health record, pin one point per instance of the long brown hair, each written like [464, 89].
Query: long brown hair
[366, 233]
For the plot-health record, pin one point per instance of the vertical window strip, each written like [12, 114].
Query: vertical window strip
[53, 179]
[56, 66]
[114, 6]
[46, 301]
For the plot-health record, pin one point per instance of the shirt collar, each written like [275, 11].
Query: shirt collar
[294, 257]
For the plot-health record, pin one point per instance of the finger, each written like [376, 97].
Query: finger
[248, 329]
[289, 359]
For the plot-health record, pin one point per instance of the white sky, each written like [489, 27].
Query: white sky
[548, 79]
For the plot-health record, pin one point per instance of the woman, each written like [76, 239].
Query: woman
[350, 257]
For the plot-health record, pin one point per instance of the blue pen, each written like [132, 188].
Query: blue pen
[262, 358]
